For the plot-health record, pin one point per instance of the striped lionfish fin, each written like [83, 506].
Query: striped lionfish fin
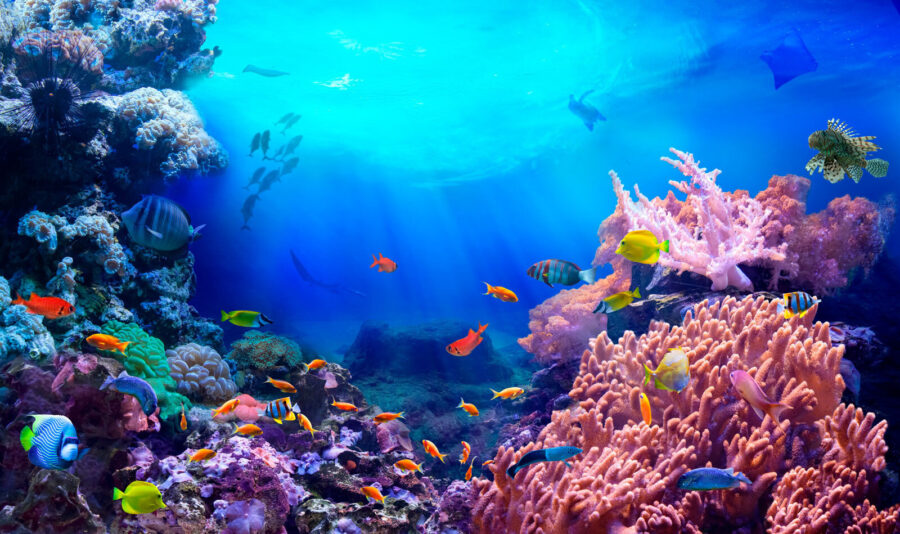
[864, 143]
[815, 163]
[833, 171]
[836, 125]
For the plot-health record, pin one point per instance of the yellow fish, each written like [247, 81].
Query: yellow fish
[508, 393]
[673, 372]
[202, 454]
[645, 409]
[139, 498]
[248, 430]
[506, 295]
[248, 319]
[306, 424]
[641, 246]
[796, 304]
[618, 301]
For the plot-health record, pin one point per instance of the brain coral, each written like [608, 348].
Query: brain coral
[822, 458]
[201, 373]
[259, 350]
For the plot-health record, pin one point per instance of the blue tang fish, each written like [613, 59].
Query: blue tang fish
[553, 454]
[711, 478]
[136, 387]
[51, 442]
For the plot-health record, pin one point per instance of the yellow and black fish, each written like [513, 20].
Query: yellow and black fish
[281, 409]
[841, 151]
[796, 304]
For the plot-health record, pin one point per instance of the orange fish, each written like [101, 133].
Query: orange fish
[464, 457]
[432, 449]
[346, 406]
[107, 342]
[248, 430]
[508, 393]
[315, 364]
[408, 465]
[386, 265]
[465, 346]
[469, 470]
[487, 462]
[202, 454]
[281, 385]
[372, 493]
[501, 293]
[49, 307]
[645, 409]
[306, 424]
[468, 408]
[183, 423]
[387, 416]
[228, 407]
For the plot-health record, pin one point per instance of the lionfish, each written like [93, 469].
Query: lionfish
[840, 151]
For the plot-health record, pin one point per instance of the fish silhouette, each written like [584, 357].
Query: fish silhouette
[790, 59]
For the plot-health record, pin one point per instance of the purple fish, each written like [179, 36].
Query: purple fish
[755, 396]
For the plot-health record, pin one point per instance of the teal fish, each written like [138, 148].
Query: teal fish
[554, 454]
[673, 372]
[51, 442]
[711, 478]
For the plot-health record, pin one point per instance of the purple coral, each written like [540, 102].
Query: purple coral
[245, 517]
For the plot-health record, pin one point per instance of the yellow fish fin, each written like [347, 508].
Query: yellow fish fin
[643, 234]
[290, 416]
[651, 259]
[664, 246]
[277, 420]
[126, 506]
[636, 293]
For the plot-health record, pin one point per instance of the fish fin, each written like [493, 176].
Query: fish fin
[780, 309]
[482, 328]
[758, 412]
[127, 508]
[82, 452]
[877, 167]
[263, 320]
[461, 402]
[245, 227]
[567, 464]
[547, 281]
[488, 288]
[290, 417]
[647, 374]
[653, 258]
[225, 316]
[26, 437]
[743, 478]
[441, 457]
[588, 276]
[295, 408]
[195, 232]
[637, 291]
[664, 246]
[117, 494]
[496, 394]
[153, 232]
[106, 383]
[730, 470]
[277, 420]
[590, 125]
[775, 409]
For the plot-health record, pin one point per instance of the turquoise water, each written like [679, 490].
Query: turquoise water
[449, 147]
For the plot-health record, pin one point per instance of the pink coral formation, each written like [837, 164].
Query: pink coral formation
[246, 411]
[626, 477]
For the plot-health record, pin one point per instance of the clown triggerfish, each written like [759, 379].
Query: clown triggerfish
[553, 454]
[51, 442]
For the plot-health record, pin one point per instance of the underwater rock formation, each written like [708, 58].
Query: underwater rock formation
[53, 504]
[704, 425]
[201, 373]
[21, 333]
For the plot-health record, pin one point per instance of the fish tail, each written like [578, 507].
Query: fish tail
[374, 261]
[419, 468]
[19, 299]
[225, 316]
[877, 167]
[775, 409]
[636, 293]
[106, 383]
[513, 469]
[488, 292]
[496, 394]
[664, 246]
[400, 415]
[295, 408]
[123, 345]
[481, 328]
[195, 232]
[245, 227]
[117, 494]
[441, 457]
[26, 438]
[462, 402]
[648, 374]
[588, 276]
[780, 309]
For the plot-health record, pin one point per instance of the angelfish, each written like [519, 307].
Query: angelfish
[554, 454]
[51, 442]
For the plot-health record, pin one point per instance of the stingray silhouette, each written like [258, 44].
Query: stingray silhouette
[790, 59]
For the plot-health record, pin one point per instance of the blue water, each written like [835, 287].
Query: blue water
[451, 151]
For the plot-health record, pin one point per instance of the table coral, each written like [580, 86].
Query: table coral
[145, 358]
[201, 373]
[626, 476]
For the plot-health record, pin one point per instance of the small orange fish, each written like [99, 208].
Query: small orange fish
[281, 385]
[106, 342]
[346, 406]
[465, 346]
[386, 265]
[469, 470]
[248, 430]
[464, 457]
[306, 424]
[501, 293]
[408, 465]
[202, 454]
[183, 423]
[645, 409]
[315, 364]
[468, 408]
[372, 493]
[49, 307]
[387, 416]
[432, 449]
[487, 462]
[226, 408]
[508, 393]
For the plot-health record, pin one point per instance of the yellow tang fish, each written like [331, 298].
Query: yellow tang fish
[139, 498]
[618, 301]
[673, 372]
[641, 246]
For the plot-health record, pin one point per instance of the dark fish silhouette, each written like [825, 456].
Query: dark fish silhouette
[790, 59]
[292, 121]
[286, 117]
[292, 145]
[272, 177]
[585, 111]
[264, 143]
[334, 288]
[254, 145]
[290, 165]
[268, 73]
[247, 209]
[257, 174]
[278, 152]
[160, 224]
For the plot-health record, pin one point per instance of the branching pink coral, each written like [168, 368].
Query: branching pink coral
[626, 477]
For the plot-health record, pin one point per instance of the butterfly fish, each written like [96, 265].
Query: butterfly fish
[281, 410]
[842, 152]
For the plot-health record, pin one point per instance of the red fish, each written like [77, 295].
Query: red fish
[49, 307]
[385, 265]
[465, 346]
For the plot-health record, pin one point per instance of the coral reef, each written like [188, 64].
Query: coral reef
[201, 373]
[262, 350]
[707, 424]
[53, 504]
[21, 333]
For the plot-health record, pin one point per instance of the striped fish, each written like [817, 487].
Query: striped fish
[796, 304]
[561, 272]
[281, 409]
[51, 442]
[160, 224]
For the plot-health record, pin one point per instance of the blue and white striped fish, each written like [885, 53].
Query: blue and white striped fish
[796, 304]
[51, 442]
[281, 409]
[160, 223]
[561, 272]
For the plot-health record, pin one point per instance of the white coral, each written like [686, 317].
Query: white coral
[201, 373]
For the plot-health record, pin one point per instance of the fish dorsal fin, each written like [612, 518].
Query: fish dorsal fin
[471, 332]
[33, 296]
[643, 233]
[139, 484]
[730, 470]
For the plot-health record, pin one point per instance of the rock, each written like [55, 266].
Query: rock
[53, 505]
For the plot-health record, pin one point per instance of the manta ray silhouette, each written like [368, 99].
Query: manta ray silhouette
[790, 59]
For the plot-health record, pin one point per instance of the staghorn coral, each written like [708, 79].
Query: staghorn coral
[627, 475]
[201, 373]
